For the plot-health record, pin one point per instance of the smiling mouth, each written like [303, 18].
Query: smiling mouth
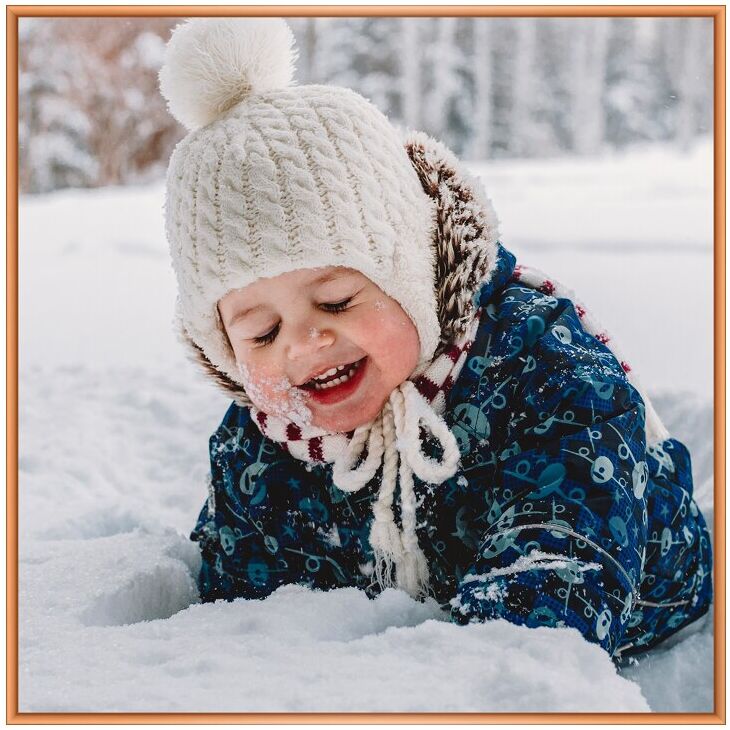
[333, 377]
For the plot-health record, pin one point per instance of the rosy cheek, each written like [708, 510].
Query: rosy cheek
[389, 314]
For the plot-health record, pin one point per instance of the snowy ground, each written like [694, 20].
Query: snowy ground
[114, 425]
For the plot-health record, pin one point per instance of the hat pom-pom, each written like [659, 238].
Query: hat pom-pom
[212, 64]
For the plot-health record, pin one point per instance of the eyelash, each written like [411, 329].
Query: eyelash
[334, 308]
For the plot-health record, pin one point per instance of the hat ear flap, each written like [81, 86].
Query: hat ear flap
[223, 382]
[465, 235]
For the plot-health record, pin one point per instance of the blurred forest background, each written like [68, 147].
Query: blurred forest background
[91, 115]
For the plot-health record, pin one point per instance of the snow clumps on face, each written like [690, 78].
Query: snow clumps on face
[212, 64]
[276, 396]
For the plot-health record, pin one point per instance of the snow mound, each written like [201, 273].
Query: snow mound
[157, 594]
[116, 580]
[666, 666]
[296, 651]
[690, 418]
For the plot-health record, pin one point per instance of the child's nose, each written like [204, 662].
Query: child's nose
[307, 341]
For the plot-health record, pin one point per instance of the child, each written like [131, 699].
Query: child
[411, 408]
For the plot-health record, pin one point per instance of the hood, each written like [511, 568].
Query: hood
[468, 257]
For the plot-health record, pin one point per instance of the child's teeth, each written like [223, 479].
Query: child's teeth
[336, 381]
[331, 371]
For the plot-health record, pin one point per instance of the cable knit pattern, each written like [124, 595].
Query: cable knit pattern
[301, 176]
[291, 176]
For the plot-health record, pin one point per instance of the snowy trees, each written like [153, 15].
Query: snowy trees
[410, 76]
[481, 116]
[524, 86]
[90, 113]
[89, 110]
[687, 56]
[54, 129]
[588, 84]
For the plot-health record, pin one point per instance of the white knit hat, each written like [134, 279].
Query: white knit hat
[274, 177]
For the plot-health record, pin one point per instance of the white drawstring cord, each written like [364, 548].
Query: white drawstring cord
[393, 439]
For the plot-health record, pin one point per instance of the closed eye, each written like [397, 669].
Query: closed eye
[332, 307]
[269, 337]
[336, 307]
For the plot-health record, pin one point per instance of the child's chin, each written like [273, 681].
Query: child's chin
[338, 425]
[342, 423]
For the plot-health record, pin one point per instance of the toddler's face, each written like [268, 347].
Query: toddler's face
[323, 346]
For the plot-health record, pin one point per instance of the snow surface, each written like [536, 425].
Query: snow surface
[114, 425]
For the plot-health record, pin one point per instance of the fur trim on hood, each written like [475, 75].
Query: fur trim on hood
[465, 247]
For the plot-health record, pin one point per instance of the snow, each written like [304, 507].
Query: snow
[148, 646]
[113, 429]
[535, 560]
[626, 202]
[276, 395]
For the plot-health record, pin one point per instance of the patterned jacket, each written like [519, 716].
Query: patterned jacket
[560, 514]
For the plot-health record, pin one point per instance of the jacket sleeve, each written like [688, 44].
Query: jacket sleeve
[213, 581]
[229, 568]
[565, 536]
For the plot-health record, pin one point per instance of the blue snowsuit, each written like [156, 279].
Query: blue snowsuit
[559, 514]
